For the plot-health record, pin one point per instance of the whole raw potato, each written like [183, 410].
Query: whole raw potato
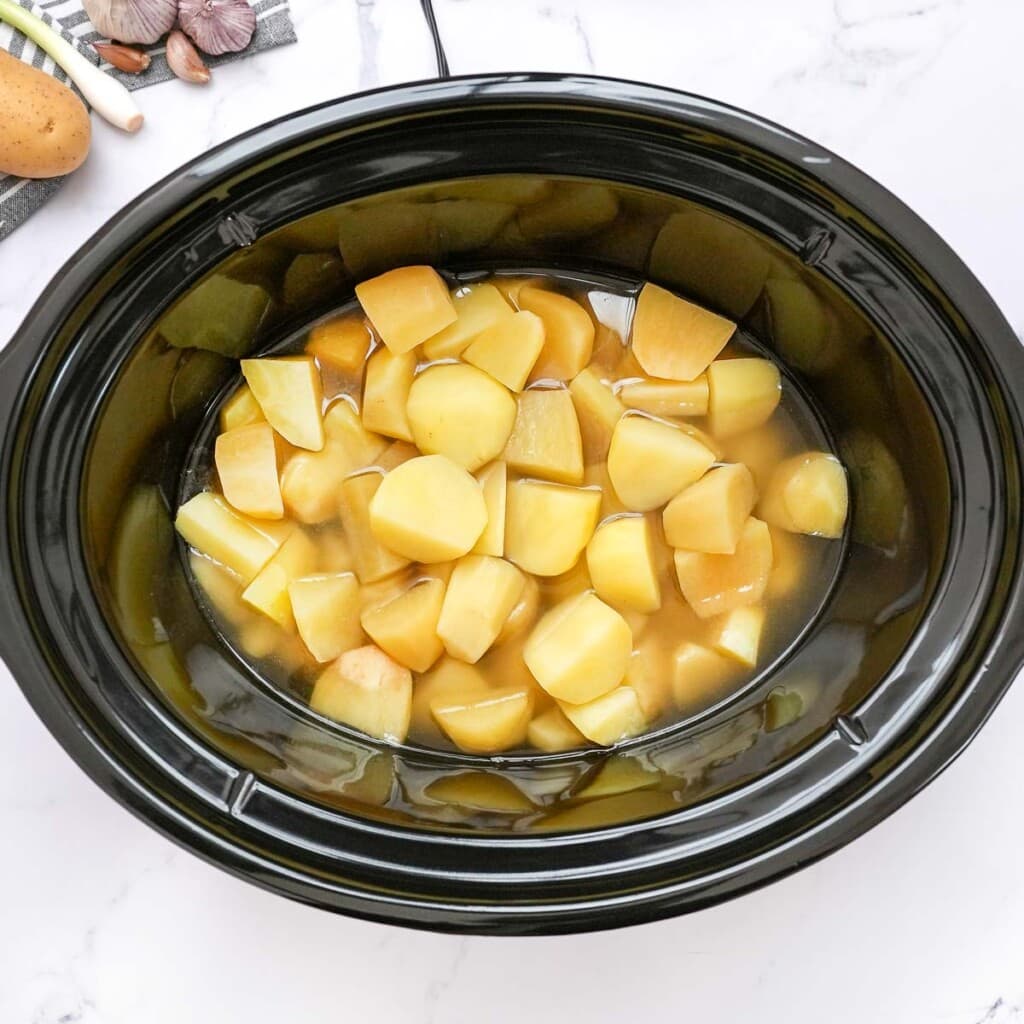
[44, 126]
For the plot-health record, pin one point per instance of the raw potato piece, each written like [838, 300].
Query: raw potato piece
[575, 210]
[494, 721]
[395, 454]
[737, 634]
[462, 412]
[596, 475]
[714, 584]
[697, 673]
[340, 344]
[477, 307]
[533, 507]
[620, 557]
[222, 587]
[789, 563]
[246, 460]
[673, 338]
[742, 394]
[615, 716]
[807, 494]
[551, 732]
[710, 514]
[290, 394]
[364, 688]
[649, 461]
[508, 349]
[406, 627]
[579, 650]
[349, 441]
[668, 397]
[598, 410]
[428, 509]
[326, 611]
[240, 410]
[449, 680]
[268, 592]
[546, 440]
[211, 527]
[386, 392]
[481, 594]
[568, 334]
[524, 614]
[647, 673]
[372, 560]
[493, 481]
[406, 306]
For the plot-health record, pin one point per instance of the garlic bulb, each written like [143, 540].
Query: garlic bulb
[132, 21]
[183, 60]
[217, 26]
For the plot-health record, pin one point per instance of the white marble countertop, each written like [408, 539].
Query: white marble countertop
[922, 920]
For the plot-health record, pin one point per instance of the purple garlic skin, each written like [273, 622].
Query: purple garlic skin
[217, 26]
[132, 21]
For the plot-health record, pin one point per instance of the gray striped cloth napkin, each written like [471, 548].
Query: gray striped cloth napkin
[21, 197]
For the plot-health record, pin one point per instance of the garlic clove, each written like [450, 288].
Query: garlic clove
[132, 21]
[124, 58]
[184, 61]
[217, 26]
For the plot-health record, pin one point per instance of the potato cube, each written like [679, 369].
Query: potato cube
[789, 562]
[222, 587]
[607, 719]
[350, 442]
[428, 509]
[386, 393]
[493, 481]
[326, 611]
[246, 460]
[568, 334]
[647, 673]
[742, 394]
[807, 494]
[596, 476]
[259, 637]
[494, 721]
[290, 394]
[406, 627]
[334, 553]
[212, 528]
[268, 592]
[673, 338]
[508, 349]
[579, 649]
[697, 674]
[620, 773]
[481, 594]
[462, 412]
[310, 485]
[668, 397]
[546, 440]
[714, 584]
[341, 343]
[240, 410]
[709, 515]
[651, 461]
[406, 306]
[466, 224]
[480, 791]
[510, 287]
[574, 210]
[366, 689]
[524, 613]
[598, 410]
[737, 634]
[760, 450]
[451, 681]
[552, 732]
[477, 307]
[373, 561]
[620, 557]
[533, 507]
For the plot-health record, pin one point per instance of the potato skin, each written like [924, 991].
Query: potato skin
[44, 126]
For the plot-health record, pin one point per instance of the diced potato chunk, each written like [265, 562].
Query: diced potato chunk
[620, 557]
[449, 680]
[406, 306]
[477, 307]
[533, 507]
[546, 440]
[493, 481]
[222, 587]
[211, 527]
[349, 441]
[246, 460]
[480, 791]
[709, 515]
[268, 592]
[508, 349]
[596, 475]
[406, 627]
[697, 673]
[326, 611]
[340, 344]
[607, 719]
[807, 494]
[259, 637]
[334, 553]
[510, 287]
[575, 210]
[568, 334]
[668, 397]
[481, 594]
[760, 450]
[789, 562]
[742, 394]
[494, 721]
[240, 410]
[737, 634]
[366, 689]
[428, 509]
[373, 561]
[579, 649]
[395, 454]
[650, 461]
[462, 412]
[647, 673]
[524, 613]
[386, 392]
[714, 584]
[598, 410]
[673, 338]
[290, 394]
[552, 732]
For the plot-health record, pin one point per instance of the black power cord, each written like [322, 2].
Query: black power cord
[439, 55]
